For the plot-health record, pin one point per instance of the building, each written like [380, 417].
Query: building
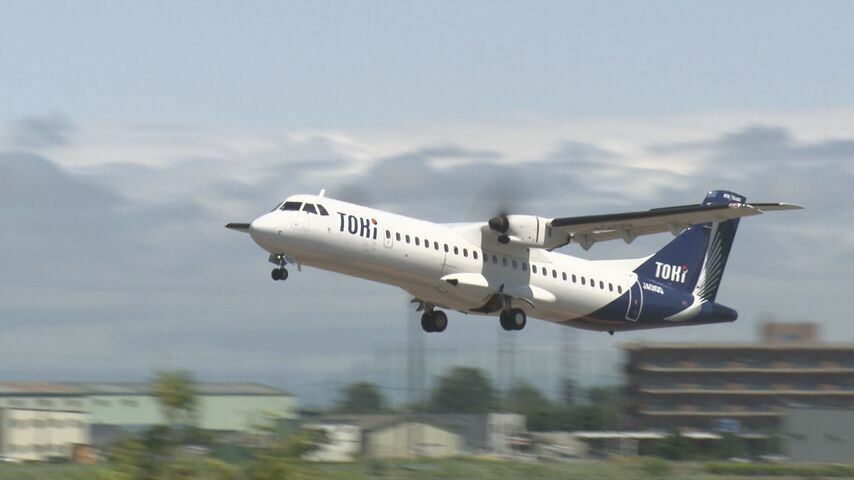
[421, 435]
[39, 435]
[741, 387]
[343, 443]
[819, 435]
[231, 407]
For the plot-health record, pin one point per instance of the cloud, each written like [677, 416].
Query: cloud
[41, 132]
[126, 247]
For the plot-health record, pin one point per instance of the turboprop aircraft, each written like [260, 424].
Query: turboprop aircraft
[507, 266]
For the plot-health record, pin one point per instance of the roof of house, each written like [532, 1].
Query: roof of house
[128, 388]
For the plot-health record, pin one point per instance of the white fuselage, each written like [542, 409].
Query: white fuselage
[454, 266]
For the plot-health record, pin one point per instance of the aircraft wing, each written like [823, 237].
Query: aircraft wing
[590, 229]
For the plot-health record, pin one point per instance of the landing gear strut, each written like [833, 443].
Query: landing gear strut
[513, 319]
[279, 273]
[434, 321]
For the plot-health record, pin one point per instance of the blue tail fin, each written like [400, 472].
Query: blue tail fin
[694, 261]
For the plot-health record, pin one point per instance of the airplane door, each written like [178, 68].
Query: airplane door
[635, 302]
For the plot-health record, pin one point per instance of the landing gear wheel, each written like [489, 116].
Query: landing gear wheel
[435, 321]
[440, 321]
[427, 322]
[279, 274]
[504, 320]
[518, 319]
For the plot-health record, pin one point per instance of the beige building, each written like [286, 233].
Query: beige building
[406, 439]
[39, 435]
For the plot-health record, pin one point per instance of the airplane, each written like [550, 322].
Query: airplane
[507, 266]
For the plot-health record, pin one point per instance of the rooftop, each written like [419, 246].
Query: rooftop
[129, 388]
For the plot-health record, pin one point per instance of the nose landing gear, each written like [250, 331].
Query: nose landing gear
[279, 273]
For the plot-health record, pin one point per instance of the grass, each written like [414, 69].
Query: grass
[469, 469]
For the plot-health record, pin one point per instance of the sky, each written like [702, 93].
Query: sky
[131, 132]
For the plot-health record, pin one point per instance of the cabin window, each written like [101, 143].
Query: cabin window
[574, 278]
[397, 236]
[456, 250]
[554, 273]
[427, 244]
[446, 248]
[417, 243]
[601, 284]
[388, 234]
[495, 259]
[545, 272]
[593, 283]
[534, 268]
[322, 210]
[619, 289]
[610, 287]
[295, 206]
[474, 254]
[563, 274]
[407, 239]
[515, 264]
[436, 245]
[524, 266]
[504, 261]
[466, 252]
[583, 281]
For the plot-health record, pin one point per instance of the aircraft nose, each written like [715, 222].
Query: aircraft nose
[264, 230]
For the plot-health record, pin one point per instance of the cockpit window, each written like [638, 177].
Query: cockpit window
[291, 206]
[322, 210]
[309, 207]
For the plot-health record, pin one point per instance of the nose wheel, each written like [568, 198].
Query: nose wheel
[513, 319]
[279, 274]
[434, 321]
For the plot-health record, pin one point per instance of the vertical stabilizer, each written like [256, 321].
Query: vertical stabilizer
[694, 261]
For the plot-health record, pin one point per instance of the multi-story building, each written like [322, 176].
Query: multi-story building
[744, 386]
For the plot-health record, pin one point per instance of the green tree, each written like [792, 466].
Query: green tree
[176, 392]
[526, 400]
[463, 390]
[361, 397]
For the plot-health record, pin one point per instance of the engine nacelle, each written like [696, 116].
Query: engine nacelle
[526, 230]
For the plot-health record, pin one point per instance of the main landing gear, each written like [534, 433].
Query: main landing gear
[513, 319]
[434, 321]
[279, 273]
